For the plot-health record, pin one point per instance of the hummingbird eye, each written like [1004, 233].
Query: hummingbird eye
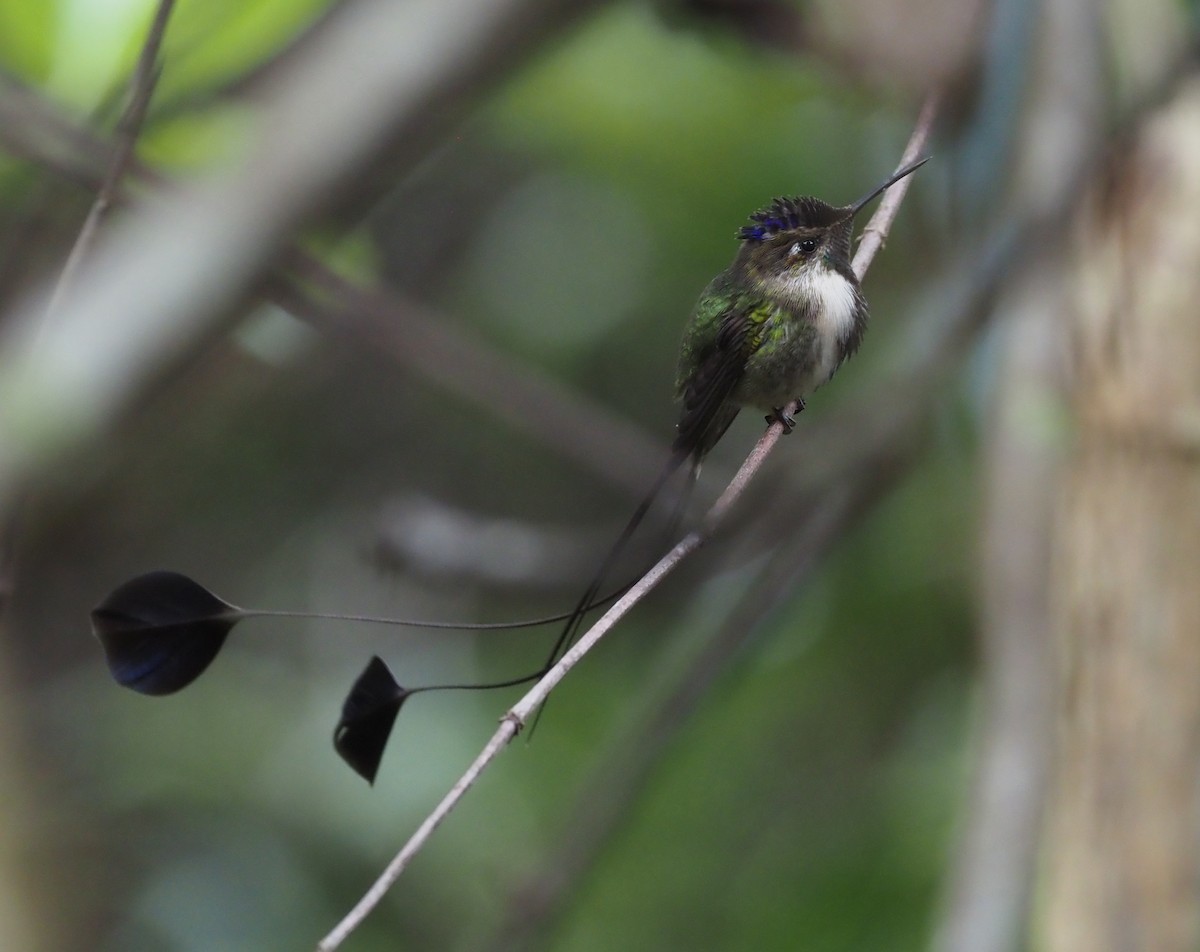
[804, 247]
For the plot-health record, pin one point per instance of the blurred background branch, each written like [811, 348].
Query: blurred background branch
[130, 126]
[991, 884]
[418, 339]
[375, 77]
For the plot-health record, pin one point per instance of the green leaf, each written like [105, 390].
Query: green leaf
[28, 35]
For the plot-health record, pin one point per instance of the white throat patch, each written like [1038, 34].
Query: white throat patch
[839, 298]
[836, 294]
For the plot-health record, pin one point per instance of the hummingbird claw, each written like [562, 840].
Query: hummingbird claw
[778, 415]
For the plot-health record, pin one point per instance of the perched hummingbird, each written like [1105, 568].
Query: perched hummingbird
[768, 330]
[777, 323]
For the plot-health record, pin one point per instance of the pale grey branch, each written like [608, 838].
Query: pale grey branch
[520, 713]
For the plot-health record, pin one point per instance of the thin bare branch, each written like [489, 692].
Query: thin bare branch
[617, 779]
[145, 76]
[519, 714]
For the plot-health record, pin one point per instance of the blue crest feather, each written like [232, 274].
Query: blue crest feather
[789, 214]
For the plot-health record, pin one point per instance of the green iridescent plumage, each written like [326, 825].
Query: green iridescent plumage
[769, 330]
[777, 323]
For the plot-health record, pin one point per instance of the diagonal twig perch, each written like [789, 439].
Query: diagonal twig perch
[516, 717]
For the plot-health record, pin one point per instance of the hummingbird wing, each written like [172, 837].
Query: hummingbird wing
[720, 340]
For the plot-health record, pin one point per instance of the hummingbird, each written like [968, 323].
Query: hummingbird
[767, 331]
[777, 323]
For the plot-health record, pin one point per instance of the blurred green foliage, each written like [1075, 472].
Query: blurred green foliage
[570, 224]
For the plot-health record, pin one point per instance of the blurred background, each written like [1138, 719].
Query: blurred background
[385, 321]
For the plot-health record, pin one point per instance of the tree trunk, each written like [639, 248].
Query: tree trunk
[1121, 861]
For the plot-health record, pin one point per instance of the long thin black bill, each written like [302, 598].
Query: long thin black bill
[878, 190]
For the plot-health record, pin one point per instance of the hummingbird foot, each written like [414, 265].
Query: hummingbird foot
[778, 415]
